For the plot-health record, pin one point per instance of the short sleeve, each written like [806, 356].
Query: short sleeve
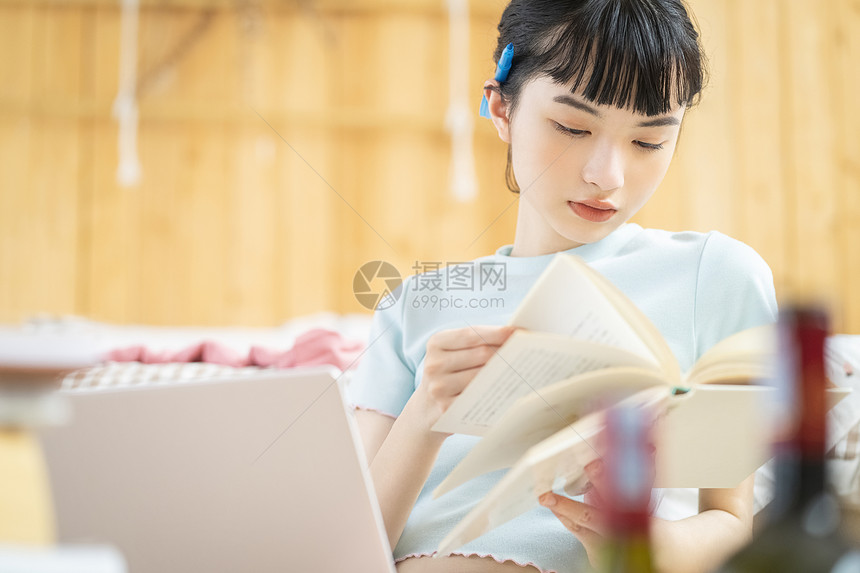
[383, 381]
[734, 291]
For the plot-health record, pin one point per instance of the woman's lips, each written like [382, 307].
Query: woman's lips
[594, 211]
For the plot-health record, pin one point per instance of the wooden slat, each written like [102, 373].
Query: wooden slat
[48, 220]
[306, 227]
[846, 53]
[810, 179]
[113, 218]
[708, 172]
[15, 135]
[308, 240]
[158, 296]
[204, 228]
[756, 130]
[345, 165]
[86, 167]
[45, 217]
[377, 193]
[179, 67]
[16, 37]
[16, 31]
[320, 8]
[250, 254]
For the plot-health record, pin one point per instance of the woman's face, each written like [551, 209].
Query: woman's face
[583, 169]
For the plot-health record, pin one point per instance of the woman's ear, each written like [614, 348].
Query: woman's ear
[498, 109]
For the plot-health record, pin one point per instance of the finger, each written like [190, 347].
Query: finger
[577, 486]
[593, 497]
[652, 451]
[592, 542]
[589, 538]
[575, 512]
[457, 360]
[445, 387]
[470, 336]
[595, 471]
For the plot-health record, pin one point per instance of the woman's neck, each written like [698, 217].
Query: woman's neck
[535, 237]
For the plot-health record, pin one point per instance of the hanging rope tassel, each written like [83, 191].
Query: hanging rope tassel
[459, 120]
[128, 171]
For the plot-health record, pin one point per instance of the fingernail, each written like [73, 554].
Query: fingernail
[594, 469]
[547, 500]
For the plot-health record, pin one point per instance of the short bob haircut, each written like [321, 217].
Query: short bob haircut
[632, 54]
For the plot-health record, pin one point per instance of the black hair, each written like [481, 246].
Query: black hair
[632, 54]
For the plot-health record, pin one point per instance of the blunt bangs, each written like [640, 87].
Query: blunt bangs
[641, 55]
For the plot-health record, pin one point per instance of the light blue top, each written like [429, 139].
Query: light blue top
[696, 288]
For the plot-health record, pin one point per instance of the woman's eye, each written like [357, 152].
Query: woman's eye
[568, 130]
[649, 146]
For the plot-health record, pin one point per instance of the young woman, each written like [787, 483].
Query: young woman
[591, 109]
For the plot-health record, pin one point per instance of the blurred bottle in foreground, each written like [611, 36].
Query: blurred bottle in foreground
[802, 534]
[630, 473]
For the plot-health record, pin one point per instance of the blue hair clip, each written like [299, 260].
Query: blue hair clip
[501, 75]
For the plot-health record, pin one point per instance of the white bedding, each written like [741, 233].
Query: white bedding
[844, 419]
[73, 340]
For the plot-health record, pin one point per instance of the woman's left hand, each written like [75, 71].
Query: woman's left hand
[587, 521]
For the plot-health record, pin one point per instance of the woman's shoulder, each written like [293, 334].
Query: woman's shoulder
[711, 248]
[690, 239]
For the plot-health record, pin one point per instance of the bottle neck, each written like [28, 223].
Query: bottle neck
[629, 525]
[800, 466]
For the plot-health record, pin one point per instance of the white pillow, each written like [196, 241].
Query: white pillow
[843, 441]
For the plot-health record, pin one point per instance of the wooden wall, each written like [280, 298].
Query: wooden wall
[286, 142]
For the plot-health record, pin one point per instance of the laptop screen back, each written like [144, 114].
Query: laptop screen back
[251, 474]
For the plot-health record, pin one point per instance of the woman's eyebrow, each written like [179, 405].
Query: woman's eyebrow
[573, 102]
[659, 121]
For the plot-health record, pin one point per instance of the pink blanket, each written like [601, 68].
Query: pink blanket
[314, 347]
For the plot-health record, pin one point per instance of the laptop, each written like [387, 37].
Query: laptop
[253, 473]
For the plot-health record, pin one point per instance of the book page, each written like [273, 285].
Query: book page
[715, 436]
[564, 300]
[744, 357]
[541, 414]
[525, 363]
[517, 492]
[635, 318]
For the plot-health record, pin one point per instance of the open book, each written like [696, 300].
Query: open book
[538, 401]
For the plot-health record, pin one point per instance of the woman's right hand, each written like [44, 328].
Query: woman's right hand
[453, 359]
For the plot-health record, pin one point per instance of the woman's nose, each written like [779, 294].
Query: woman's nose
[604, 168]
